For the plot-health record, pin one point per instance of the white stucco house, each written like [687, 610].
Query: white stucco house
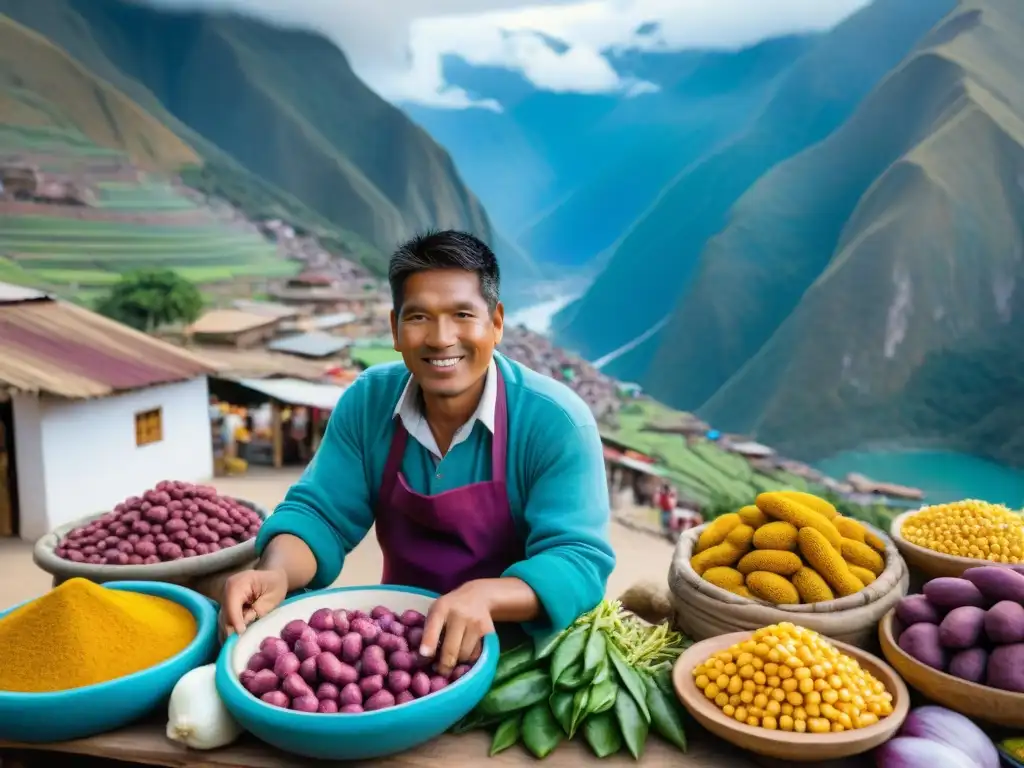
[91, 412]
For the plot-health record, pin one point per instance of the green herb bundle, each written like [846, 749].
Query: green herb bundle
[608, 676]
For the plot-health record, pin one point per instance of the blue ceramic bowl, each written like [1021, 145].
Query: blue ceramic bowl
[82, 712]
[348, 737]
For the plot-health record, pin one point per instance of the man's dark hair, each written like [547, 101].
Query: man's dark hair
[445, 250]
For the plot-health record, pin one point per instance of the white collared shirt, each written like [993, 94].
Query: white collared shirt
[410, 410]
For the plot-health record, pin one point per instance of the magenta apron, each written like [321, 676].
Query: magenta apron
[441, 542]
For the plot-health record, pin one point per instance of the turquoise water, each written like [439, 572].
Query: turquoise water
[942, 475]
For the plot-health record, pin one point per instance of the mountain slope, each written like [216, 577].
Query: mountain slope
[282, 103]
[656, 257]
[911, 241]
[40, 85]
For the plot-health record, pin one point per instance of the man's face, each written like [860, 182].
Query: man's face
[445, 331]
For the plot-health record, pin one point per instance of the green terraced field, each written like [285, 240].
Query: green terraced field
[161, 227]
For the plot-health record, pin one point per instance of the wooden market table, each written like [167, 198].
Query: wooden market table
[146, 744]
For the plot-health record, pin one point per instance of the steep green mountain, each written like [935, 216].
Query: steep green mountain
[282, 104]
[656, 258]
[867, 289]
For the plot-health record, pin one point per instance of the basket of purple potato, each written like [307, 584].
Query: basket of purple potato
[961, 642]
[344, 662]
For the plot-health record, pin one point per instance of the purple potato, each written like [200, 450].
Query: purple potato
[257, 662]
[327, 707]
[351, 709]
[398, 681]
[329, 641]
[402, 660]
[969, 665]
[307, 670]
[398, 628]
[306, 703]
[341, 620]
[272, 647]
[404, 698]
[366, 629]
[413, 619]
[379, 700]
[921, 641]
[389, 642]
[459, 671]
[306, 649]
[286, 664]
[276, 699]
[916, 609]
[327, 691]
[380, 611]
[333, 670]
[262, 682]
[322, 620]
[295, 686]
[420, 684]
[350, 694]
[351, 647]
[415, 637]
[246, 678]
[293, 631]
[371, 685]
[374, 666]
[437, 682]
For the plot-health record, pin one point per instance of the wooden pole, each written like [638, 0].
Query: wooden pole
[278, 435]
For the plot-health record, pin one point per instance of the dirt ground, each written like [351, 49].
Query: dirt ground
[641, 557]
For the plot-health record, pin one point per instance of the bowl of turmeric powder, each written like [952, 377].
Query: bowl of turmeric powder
[87, 658]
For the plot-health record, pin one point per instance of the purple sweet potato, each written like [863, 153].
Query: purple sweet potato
[370, 685]
[420, 685]
[1006, 668]
[350, 694]
[1004, 623]
[962, 627]
[997, 583]
[969, 664]
[948, 592]
[380, 700]
[917, 609]
[921, 642]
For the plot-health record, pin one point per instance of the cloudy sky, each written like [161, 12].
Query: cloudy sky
[396, 45]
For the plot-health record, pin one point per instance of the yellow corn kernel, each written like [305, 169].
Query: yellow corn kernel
[769, 722]
[785, 723]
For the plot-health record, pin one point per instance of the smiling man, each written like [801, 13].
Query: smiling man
[485, 480]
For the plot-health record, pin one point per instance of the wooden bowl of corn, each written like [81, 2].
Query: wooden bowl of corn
[947, 539]
[790, 693]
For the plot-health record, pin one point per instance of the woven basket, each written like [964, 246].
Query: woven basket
[203, 573]
[703, 610]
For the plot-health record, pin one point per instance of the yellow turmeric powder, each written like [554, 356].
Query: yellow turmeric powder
[82, 634]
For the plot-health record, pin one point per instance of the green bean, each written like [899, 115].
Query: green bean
[632, 724]
[561, 707]
[520, 692]
[631, 679]
[602, 734]
[664, 715]
[580, 704]
[568, 652]
[540, 732]
[602, 696]
[512, 662]
[506, 735]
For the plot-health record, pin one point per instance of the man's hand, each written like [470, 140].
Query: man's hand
[465, 617]
[248, 595]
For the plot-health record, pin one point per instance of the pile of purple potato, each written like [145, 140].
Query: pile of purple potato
[345, 662]
[171, 521]
[970, 627]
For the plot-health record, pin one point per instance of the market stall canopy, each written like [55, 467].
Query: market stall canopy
[50, 346]
[316, 344]
[297, 392]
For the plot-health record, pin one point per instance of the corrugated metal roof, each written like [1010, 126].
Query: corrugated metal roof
[14, 293]
[61, 349]
[264, 308]
[297, 392]
[323, 322]
[316, 344]
[260, 363]
[229, 321]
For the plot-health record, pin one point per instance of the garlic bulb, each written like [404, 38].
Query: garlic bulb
[196, 717]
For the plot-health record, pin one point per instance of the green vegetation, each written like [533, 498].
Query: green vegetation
[367, 356]
[148, 299]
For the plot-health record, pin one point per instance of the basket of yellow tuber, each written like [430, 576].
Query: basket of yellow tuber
[789, 557]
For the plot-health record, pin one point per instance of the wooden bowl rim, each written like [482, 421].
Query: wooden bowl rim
[888, 641]
[896, 534]
[691, 697]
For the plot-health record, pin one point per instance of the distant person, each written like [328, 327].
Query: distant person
[666, 502]
[485, 480]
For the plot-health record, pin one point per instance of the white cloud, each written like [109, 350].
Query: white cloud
[397, 45]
